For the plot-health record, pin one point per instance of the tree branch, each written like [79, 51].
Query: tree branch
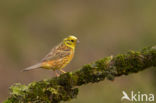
[64, 87]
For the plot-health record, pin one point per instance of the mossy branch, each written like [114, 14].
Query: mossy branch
[64, 87]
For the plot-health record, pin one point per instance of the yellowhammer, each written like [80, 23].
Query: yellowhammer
[58, 57]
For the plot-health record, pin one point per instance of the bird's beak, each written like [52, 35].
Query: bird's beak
[78, 41]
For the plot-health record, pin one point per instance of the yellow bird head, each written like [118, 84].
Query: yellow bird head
[70, 41]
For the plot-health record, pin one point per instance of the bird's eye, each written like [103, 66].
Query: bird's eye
[72, 40]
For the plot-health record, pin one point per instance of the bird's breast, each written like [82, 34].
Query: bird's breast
[59, 63]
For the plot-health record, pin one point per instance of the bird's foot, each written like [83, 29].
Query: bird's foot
[57, 74]
[62, 71]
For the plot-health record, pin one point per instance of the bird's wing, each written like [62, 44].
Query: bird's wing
[55, 54]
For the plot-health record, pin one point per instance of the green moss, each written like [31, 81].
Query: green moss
[18, 89]
[103, 63]
[129, 63]
[63, 88]
[8, 101]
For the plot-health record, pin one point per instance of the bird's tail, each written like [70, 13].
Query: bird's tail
[33, 67]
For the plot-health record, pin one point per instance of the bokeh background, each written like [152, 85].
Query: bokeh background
[30, 28]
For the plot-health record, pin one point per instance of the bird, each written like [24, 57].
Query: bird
[58, 57]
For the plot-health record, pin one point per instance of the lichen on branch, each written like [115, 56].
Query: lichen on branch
[65, 87]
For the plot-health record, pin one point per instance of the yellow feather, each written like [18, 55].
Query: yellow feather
[60, 56]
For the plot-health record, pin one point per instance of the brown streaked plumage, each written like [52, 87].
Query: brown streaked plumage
[58, 57]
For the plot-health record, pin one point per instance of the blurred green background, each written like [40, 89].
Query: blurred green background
[30, 28]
